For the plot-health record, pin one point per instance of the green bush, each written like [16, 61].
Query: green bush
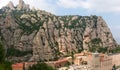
[102, 50]
[115, 50]
[95, 45]
[41, 66]
[114, 67]
[15, 52]
[2, 53]
[4, 65]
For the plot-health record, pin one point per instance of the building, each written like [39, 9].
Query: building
[97, 61]
[105, 62]
[82, 58]
[22, 66]
[17, 66]
[115, 59]
[62, 62]
[82, 61]
[28, 64]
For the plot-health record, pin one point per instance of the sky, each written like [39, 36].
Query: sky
[108, 9]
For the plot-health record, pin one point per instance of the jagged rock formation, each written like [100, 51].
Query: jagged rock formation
[10, 5]
[22, 5]
[47, 35]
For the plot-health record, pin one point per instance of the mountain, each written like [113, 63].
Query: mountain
[33, 35]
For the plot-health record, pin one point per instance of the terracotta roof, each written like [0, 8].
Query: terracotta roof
[17, 65]
[62, 60]
[79, 54]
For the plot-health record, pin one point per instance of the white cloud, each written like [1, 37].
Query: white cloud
[73, 3]
[95, 5]
[44, 5]
[3, 3]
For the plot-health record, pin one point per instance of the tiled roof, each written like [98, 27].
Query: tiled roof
[62, 60]
[17, 65]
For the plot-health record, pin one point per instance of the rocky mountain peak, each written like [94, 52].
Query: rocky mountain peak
[21, 1]
[10, 5]
[39, 35]
[22, 5]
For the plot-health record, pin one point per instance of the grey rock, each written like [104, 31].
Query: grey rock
[11, 6]
[22, 5]
[50, 36]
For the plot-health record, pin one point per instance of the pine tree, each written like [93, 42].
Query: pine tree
[2, 53]
[41, 66]
[114, 67]
[4, 65]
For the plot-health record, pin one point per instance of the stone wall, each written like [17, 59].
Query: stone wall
[115, 59]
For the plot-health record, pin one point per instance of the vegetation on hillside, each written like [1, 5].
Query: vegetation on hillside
[2, 53]
[4, 65]
[96, 45]
[115, 50]
[41, 66]
[22, 22]
[16, 52]
[32, 21]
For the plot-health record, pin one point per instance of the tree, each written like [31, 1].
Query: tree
[2, 53]
[95, 44]
[72, 55]
[41, 66]
[115, 50]
[114, 67]
[16, 52]
[102, 49]
[4, 65]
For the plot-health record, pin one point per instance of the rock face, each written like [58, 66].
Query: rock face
[10, 5]
[22, 5]
[50, 36]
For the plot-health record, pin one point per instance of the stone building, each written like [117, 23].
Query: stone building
[97, 61]
[17, 66]
[115, 59]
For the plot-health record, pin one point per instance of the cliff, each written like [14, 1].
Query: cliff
[49, 36]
